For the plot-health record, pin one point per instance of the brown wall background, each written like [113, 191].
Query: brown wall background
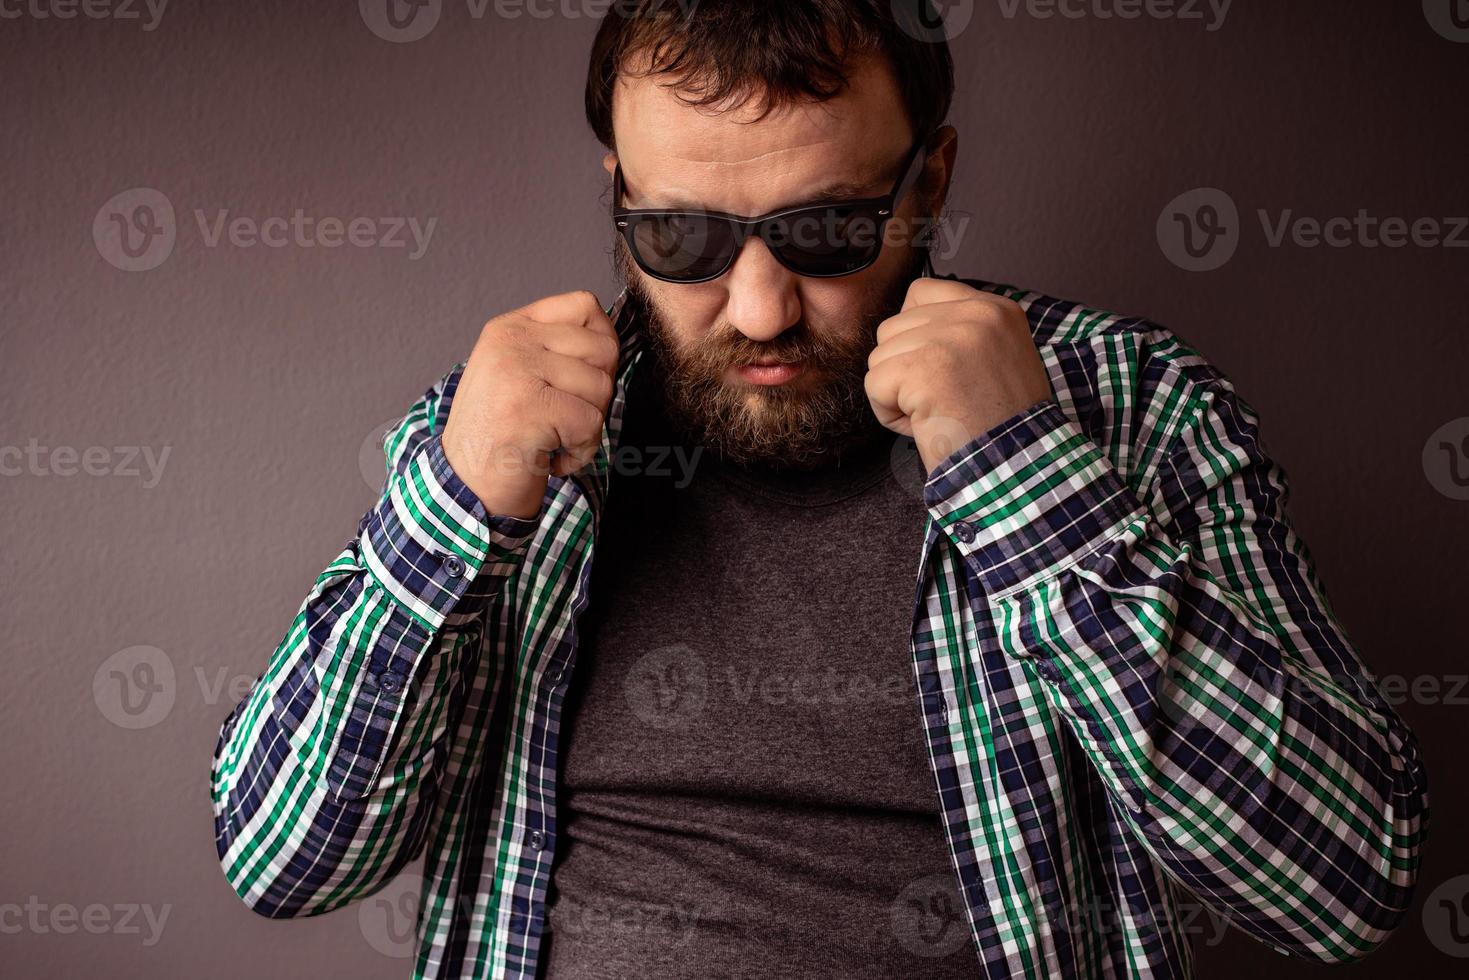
[262, 372]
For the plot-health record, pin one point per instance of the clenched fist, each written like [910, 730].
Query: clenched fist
[951, 365]
[532, 401]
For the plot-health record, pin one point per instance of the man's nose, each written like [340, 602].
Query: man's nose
[763, 301]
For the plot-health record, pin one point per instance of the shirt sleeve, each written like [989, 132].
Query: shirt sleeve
[1177, 624]
[323, 778]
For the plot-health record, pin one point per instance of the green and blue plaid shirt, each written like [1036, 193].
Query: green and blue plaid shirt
[1135, 695]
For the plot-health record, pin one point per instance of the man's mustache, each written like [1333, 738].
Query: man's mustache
[731, 347]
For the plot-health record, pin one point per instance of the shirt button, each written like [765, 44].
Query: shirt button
[944, 709]
[557, 676]
[388, 682]
[964, 531]
[1047, 670]
[453, 566]
[537, 840]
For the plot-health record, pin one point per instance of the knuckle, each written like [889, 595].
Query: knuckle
[588, 421]
[496, 361]
[978, 309]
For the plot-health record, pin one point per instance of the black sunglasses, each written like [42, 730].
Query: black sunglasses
[820, 240]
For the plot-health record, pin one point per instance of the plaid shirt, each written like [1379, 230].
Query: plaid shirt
[1137, 701]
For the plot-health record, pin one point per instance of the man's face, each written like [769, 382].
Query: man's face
[709, 337]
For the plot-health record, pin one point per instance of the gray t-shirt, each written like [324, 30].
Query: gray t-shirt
[745, 789]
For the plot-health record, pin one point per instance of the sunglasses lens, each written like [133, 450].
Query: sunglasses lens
[828, 241]
[682, 247]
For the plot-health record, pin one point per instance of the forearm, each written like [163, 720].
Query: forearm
[324, 776]
[1291, 803]
[1197, 671]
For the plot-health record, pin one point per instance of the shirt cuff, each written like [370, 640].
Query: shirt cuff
[1028, 499]
[430, 544]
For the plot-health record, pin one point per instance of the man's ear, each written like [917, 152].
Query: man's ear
[939, 172]
[609, 162]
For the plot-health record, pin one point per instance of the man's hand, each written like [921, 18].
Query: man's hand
[539, 381]
[951, 365]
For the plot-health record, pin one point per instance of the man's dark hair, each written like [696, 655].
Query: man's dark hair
[780, 51]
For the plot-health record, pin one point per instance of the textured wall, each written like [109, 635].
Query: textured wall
[181, 445]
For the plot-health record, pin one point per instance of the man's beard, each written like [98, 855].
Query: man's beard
[773, 425]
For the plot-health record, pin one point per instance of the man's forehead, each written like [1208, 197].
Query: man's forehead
[732, 158]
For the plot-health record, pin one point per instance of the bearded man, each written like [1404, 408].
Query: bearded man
[977, 641]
